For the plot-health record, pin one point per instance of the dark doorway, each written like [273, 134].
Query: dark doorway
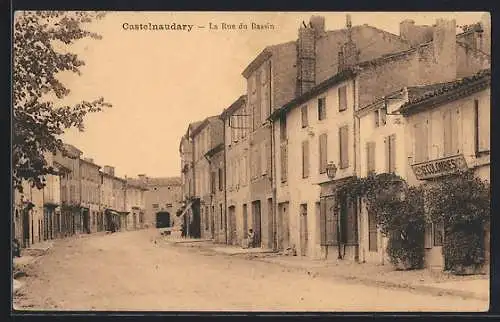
[26, 228]
[162, 219]
[232, 226]
[256, 221]
[86, 221]
[283, 227]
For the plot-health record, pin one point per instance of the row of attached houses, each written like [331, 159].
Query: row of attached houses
[360, 99]
[82, 198]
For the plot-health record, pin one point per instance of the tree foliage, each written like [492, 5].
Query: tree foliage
[462, 203]
[38, 120]
[399, 213]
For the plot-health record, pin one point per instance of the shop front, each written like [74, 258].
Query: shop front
[432, 173]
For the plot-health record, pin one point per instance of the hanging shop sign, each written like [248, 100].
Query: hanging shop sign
[439, 167]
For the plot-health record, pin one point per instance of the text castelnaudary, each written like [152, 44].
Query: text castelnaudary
[161, 27]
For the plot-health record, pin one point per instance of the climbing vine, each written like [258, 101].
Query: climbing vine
[462, 204]
[399, 211]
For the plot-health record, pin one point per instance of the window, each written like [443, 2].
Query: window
[450, 135]
[323, 153]
[343, 146]
[284, 162]
[372, 233]
[390, 153]
[283, 135]
[221, 216]
[305, 121]
[481, 128]
[438, 233]
[305, 159]
[207, 222]
[370, 157]
[212, 182]
[321, 108]
[342, 98]
[221, 181]
[383, 116]
[421, 141]
[155, 206]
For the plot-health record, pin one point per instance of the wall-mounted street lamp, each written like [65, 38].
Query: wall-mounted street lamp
[331, 170]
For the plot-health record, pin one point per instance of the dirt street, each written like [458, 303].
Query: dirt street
[129, 271]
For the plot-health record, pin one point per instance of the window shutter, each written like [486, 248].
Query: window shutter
[264, 159]
[331, 221]
[370, 157]
[322, 221]
[342, 98]
[323, 154]
[305, 121]
[447, 135]
[284, 162]
[484, 125]
[392, 153]
[305, 159]
[344, 148]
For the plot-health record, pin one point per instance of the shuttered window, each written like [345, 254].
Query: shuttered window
[304, 117]
[390, 153]
[283, 135]
[323, 152]
[372, 233]
[370, 157]
[450, 135]
[342, 98]
[284, 162]
[344, 147]
[482, 127]
[305, 159]
[321, 108]
[421, 142]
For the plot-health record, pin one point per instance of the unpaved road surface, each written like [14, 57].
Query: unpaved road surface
[128, 271]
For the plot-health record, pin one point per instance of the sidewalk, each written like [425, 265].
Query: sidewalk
[426, 281]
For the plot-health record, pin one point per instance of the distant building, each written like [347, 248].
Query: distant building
[162, 200]
[135, 203]
[90, 187]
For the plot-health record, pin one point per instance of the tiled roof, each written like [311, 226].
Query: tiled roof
[165, 181]
[438, 90]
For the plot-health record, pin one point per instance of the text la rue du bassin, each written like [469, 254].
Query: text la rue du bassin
[240, 26]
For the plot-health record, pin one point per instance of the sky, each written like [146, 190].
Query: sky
[160, 81]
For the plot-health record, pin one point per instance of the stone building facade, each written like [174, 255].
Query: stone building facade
[90, 187]
[237, 127]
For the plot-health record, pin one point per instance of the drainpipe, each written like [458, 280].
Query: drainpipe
[356, 170]
[225, 179]
[272, 170]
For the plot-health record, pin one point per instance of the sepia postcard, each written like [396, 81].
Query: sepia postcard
[251, 161]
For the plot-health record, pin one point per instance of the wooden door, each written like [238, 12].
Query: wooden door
[303, 230]
[257, 222]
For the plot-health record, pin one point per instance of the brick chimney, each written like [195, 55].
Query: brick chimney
[306, 53]
[348, 54]
[445, 48]
[415, 34]
[109, 170]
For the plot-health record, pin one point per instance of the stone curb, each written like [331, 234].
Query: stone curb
[432, 290]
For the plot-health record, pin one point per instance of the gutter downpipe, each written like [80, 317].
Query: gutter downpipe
[225, 180]
[357, 145]
[273, 172]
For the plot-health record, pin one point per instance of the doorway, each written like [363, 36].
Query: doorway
[256, 220]
[304, 238]
[232, 225]
[283, 227]
[26, 228]
[245, 222]
[162, 219]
